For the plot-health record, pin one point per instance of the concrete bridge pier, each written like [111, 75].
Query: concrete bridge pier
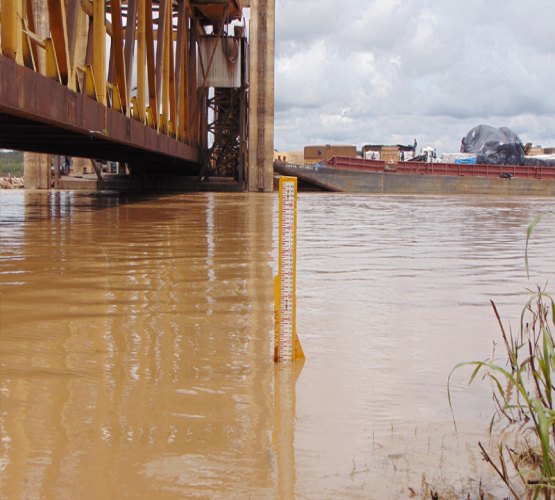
[261, 94]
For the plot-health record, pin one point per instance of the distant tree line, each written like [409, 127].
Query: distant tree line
[11, 162]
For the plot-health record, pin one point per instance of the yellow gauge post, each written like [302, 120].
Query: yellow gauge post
[287, 346]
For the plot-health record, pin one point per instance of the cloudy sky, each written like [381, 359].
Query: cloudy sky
[390, 71]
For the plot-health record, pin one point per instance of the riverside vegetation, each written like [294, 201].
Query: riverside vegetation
[11, 163]
[11, 169]
[522, 390]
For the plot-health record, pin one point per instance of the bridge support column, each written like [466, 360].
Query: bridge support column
[261, 99]
[36, 166]
[36, 171]
[81, 166]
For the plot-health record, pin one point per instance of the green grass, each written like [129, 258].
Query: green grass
[11, 163]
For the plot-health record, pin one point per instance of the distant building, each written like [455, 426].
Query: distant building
[315, 154]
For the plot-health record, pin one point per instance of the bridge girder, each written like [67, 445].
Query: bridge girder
[136, 59]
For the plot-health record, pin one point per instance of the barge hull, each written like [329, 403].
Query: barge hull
[352, 181]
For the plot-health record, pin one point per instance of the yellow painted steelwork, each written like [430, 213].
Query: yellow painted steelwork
[119, 63]
[141, 62]
[9, 34]
[52, 68]
[287, 346]
[99, 52]
[152, 114]
[58, 29]
[182, 73]
[79, 32]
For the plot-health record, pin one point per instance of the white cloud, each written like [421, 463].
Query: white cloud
[387, 71]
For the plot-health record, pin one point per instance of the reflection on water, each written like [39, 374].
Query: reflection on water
[135, 342]
[134, 346]
[285, 412]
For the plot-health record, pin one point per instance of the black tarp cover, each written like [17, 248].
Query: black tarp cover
[500, 146]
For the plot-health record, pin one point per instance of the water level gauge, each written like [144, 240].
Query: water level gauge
[286, 343]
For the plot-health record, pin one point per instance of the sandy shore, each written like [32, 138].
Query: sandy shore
[11, 182]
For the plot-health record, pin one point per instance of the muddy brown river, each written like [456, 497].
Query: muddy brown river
[136, 343]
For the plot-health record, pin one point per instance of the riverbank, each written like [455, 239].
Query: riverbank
[11, 182]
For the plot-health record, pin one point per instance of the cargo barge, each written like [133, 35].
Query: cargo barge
[357, 175]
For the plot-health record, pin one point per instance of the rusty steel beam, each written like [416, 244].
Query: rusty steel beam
[99, 49]
[181, 83]
[171, 77]
[161, 43]
[217, 12]
[31, 24]
[58, 28]
[130, 34]
[119, 61]
[77, 34]
[141, 61]
[73, 12]
[144, 101]
[152, 110]
[163, 64]
[88, 8]
[193, 119]
[33, 99]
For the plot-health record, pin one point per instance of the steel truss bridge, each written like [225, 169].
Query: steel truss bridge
[161, 86]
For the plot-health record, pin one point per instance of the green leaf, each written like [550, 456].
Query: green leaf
[529, 231]
[543, 434]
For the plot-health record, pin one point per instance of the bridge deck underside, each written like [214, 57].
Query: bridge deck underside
[38, 114]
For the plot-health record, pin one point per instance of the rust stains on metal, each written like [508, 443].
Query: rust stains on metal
[38, 114]
[83, 101]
